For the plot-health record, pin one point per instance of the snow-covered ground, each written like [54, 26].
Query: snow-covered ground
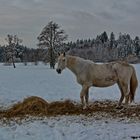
[17, 84]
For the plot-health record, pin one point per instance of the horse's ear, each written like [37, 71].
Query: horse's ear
[64, 54]
[58, 54]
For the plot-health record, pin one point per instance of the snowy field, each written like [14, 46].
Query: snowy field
[24, 81]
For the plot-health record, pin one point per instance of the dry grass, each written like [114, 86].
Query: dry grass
[38, 107]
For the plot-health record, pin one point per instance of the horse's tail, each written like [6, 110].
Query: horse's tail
[133, 85]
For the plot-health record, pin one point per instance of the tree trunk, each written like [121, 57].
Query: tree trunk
[13, 62]
[52, 57]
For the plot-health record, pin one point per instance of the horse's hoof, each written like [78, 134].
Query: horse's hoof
[133, 103]
[119, 107]
[85, 107]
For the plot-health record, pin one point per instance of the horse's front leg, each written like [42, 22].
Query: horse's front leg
[86, 97]
[84, 93]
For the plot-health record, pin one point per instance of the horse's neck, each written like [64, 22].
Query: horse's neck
[71, 63]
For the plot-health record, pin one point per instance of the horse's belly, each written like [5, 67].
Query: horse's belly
[104, 82]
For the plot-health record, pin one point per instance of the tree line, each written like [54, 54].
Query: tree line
[52, 40]
[19, 53]
[104, 48]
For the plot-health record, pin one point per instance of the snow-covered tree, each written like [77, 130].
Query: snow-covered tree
[10, 51]
[124, 45]
[112, 40]
[52, 37]
[137, 45]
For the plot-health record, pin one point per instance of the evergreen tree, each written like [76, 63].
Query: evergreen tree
[112, 40]
[104, 37]
[137, 45]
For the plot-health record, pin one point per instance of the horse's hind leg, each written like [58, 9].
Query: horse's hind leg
[127, 99]
[122, 94]
[127, 95]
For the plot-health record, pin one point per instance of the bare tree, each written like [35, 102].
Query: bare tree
[10, 49]
[52, 38]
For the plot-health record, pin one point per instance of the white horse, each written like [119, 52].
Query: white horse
[100, 75]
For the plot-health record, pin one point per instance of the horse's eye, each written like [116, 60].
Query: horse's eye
[63, 60]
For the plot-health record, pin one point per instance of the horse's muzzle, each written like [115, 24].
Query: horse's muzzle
[59, 71]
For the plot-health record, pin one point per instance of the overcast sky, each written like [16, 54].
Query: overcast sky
[79, 18]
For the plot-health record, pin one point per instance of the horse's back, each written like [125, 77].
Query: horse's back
[123, 69]
[108, 74]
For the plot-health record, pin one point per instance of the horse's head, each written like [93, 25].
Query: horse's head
[61, 63]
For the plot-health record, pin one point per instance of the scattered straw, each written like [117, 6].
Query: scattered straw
[38, 107]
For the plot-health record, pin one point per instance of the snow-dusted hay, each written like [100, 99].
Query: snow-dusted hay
[33, 105]
[38, 107]
[100, 75]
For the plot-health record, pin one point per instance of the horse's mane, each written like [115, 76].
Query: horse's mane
[81, 58]
[122, 62]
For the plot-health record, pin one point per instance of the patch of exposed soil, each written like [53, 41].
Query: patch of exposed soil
[38, 107]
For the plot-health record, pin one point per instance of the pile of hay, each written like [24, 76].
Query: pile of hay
[38, 107]
[34, 106]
